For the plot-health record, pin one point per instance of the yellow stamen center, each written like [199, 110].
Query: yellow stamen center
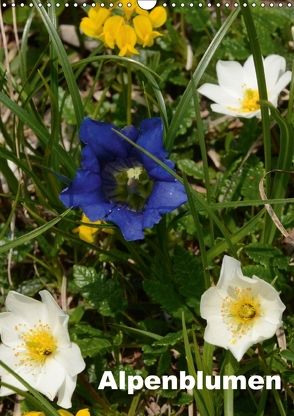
[240, 311]
[250, 101]
[134, 173]
[39, 344]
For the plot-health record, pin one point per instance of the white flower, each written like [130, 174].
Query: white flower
[237, 93]
[240, 311]
[36, 345]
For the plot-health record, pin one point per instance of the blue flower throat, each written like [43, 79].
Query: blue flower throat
[127, 182]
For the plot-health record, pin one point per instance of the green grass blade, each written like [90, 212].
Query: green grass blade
[64, 62]
[185, 101]
[149, 74]
[31, 121]
[32, 234]
[204, 403]
[243, 232]
[50, 411]
[200, 233]
[262, 90]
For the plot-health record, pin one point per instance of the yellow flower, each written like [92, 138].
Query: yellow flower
[124, 26]
[111, 29]
[143, 28]
[34, 414]
[62, 412]
[128, 10]
[158, 16]
[93, 24]
[87, 233]
[126, 40]
[83, 412]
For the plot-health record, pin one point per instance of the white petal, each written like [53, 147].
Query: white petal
[219, 95]
[234, 113]
[250, 79]
[60, 332]
[263, 329]
[274, 66]
[230, 76]
[279, 86]
[230, 273]
[211, 303]
[29, 309]
[57, 319]
[9, 328]
[242, 345]
[9, 379]
[8, 357]
[269, 294]
[50, 378]
[216, 333]
[65, 392]
[71, 360]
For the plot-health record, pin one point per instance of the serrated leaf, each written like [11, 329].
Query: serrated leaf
[107, 296]
[257, 270]
[93, 346]
[253, 175]
[188, 274]
[185, 399]
[103, 293]
[83, 275]
[267, 255]
[165, 295]
[169, 339]
[191, 168]
[164, 363]
[84, 329]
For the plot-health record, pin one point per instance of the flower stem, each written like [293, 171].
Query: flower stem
[229, 393]
[129, 95]
[257, 57]
[203, 150]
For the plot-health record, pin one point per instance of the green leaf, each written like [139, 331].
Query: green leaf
[267, 255]
[83, 275]
[90, 347]
[191, 168]
[32, 234]
[64, 62]
[253, 175]
[169, 340]
[289, 355]
[188, 275]
[21, 14]
[185, 102]
[103, 293]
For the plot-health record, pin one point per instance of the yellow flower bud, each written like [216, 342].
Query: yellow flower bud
[110, 30]
[93, 24]
[143, 28]
[126, 40]
[158, 16]
[63, 412]
[34, 414]
[83, 412]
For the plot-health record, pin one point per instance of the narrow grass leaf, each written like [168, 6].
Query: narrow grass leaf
[64, 62]
[32, 234]
[185, 102]
[43, 402]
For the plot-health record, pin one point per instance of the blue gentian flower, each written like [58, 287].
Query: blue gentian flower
[116, 182]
